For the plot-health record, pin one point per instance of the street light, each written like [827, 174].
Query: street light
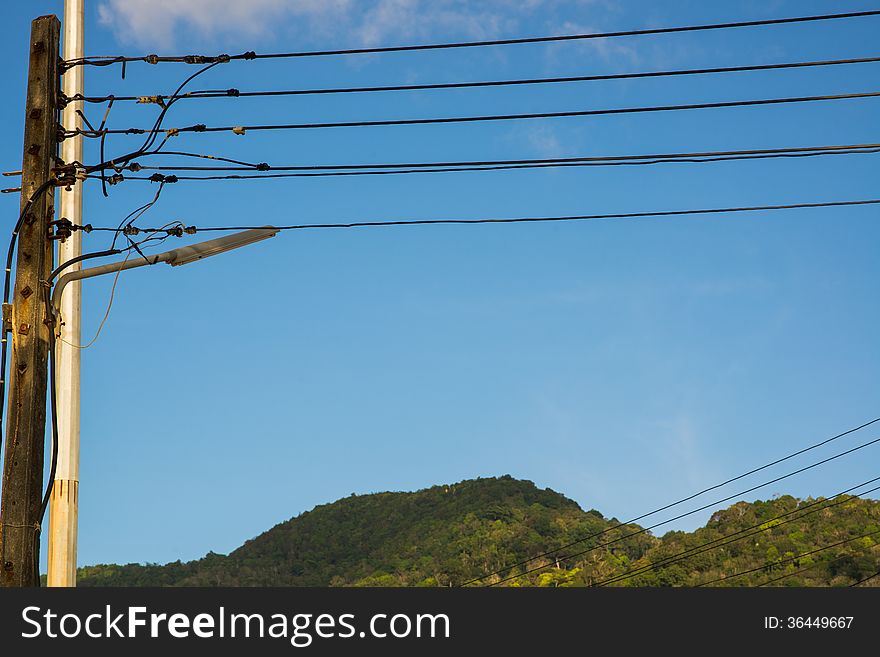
[62, 531]
[182, 256]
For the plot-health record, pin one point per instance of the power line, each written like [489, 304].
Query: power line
[868, 578]
[680, 501]
[810, 567]
[202, 59]
[242, 129]
[236, 93]
[644, 530]
[742, 534]
[263, 166]
[585, 217]
[800, 556]
[358, 170]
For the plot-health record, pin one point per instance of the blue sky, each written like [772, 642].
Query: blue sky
[623, 363]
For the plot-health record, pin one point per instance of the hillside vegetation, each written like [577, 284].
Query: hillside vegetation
[449, 535]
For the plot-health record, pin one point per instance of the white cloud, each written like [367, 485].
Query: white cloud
[165, 23]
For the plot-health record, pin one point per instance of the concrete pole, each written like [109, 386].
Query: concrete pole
[63, 512]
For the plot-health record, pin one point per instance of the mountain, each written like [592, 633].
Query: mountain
[449, 535]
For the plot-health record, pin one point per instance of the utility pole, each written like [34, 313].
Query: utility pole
[26, 417]
[64, 509]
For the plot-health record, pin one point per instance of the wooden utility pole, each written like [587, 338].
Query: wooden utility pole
[26, 417]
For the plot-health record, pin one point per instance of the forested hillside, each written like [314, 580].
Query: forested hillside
[449, 535]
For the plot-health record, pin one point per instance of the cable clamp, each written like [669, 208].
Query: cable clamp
[173, 132]
[152, 59]
[233, 92]
[190, 230]
[135, 131]
[177, 231]
[263, 166]
[250, 54]
[195, 59]
[146, 100]
[134, 167]
[115, 179]
[239, 130]
[131, 230]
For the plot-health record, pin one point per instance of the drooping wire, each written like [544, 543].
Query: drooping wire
[690, 156]
[236, 93]
[518, 220]
[316, 172]
[241, 129]
[202, 59]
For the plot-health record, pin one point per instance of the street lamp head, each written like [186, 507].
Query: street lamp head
[186, 254]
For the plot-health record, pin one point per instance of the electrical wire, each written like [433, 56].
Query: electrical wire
[264, 166]
[680, 501]
[517, 220]
[10, 254]
[241, 129]
[548, 164]
[862, 581]
[236, 93]
[790, 559]
[201, 59]
[742, 534]
[805, 569]
[644, 530]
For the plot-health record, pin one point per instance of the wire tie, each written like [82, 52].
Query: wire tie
[190, 230]
[173, 132]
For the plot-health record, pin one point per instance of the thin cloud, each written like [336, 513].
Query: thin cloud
[169, 23]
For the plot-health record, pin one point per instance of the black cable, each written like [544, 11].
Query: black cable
[679, 502]
[263, 166]
[862, 581]
[201, 59]
[585, 217]
[10, 254]
[803, 570]
[741, 534]
[548, 164]
[236, 93]
[644, 530]
[151, 138]
[474, 119]
[782, 561]
[81, 258]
